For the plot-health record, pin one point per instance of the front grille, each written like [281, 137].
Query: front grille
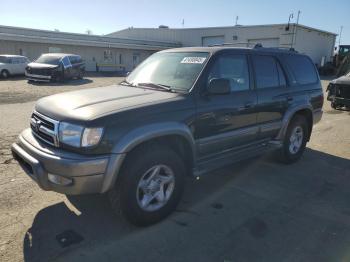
[39, 71]
[44, 128]
[343, 91]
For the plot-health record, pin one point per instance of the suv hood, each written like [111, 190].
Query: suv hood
[40, 65]
[92, 103]
[343, 80]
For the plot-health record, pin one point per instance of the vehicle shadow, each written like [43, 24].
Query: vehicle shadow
[91, 222]
[70, 82]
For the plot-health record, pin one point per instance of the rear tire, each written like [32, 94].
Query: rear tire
[152, 172]
[295, 140]
[5, 73]
[81, 74]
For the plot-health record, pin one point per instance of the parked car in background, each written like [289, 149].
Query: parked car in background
[339, 92]
[12, 65]
[55, 67]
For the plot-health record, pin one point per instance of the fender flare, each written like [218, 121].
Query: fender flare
[138, 136]
[288, 117]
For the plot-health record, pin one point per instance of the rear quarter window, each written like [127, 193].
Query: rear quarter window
[302, 69]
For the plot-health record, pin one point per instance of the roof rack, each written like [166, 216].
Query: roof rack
[291, 49]
[235, 44]
[256, 45]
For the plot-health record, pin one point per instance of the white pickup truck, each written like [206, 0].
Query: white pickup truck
[12, 65]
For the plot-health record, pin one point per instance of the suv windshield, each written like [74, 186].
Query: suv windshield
[177, 70]
[49, 59]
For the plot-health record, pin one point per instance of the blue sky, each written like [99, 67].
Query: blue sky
[105, 16]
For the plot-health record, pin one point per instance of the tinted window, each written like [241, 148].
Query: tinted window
[66, 62]
[73, 59]
[303, 69]
[234, 68]
[266, 72]
[4, 59]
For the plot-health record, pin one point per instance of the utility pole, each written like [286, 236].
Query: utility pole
[236, 23]
[183, 23]
[294, 39]
[341, 31]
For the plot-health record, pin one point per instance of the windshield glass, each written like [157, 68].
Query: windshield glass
[49, 59]
[178, 70]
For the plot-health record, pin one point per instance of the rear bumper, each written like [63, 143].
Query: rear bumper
[88, 174]
[317, 116]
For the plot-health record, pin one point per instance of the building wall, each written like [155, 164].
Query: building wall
[193, 36]
[91, 55]
[313, 42]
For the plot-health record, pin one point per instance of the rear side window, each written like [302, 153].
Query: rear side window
[266, 71]
[302, 69]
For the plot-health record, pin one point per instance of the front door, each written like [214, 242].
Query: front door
[226, 121]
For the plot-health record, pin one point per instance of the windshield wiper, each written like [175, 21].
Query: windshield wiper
[126, 83]
[157, 86]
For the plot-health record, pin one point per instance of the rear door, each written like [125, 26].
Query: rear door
[12, 65]
[226, 121]
[271, 87]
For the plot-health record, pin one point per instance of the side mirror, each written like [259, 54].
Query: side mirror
[219, 86]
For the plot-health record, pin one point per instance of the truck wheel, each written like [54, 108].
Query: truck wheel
[5, 73]
[150, 185]
[295, 140]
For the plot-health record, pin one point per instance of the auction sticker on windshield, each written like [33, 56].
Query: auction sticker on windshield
[193, 60]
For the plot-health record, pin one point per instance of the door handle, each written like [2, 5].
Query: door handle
[248, 105]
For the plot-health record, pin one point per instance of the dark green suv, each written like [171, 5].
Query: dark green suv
[182, 112]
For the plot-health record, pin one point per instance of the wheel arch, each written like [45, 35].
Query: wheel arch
[303, 110]
[177, 136]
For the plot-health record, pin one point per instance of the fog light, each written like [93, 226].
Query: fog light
[59, 180]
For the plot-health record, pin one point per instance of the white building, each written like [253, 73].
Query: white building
[318, 44]
[105, 53]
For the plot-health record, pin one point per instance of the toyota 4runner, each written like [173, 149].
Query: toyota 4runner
[181, 112]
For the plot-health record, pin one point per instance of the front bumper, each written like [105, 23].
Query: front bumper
[88, 174]
[41, 78]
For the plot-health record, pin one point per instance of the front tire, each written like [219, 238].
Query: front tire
[5, 74]
[295, 140]
[149, 186]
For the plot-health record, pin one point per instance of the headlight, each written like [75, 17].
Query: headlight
[91, 136]
[78, 136]
[70, 134]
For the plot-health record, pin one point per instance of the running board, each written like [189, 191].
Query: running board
[212, 163]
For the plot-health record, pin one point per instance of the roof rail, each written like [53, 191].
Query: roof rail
[291, 49]
[234, 44]
[257, 45]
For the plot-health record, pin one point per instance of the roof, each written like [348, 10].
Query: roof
[46, 36]
[227, 27]
[11, 55]
[59, 54]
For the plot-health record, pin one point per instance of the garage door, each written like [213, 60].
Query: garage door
[212, 40]
[266, 42]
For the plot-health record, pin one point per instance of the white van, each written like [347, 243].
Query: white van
[12, 65]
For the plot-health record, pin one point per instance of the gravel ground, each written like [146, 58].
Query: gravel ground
[257, 210]
[18, 90]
